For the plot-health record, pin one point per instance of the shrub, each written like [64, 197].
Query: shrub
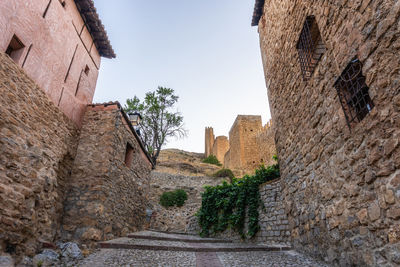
[173, 198]
[180, 197]
[212, 160]
[224, 173]
[225, 205]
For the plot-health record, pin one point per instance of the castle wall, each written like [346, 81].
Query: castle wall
[265, 140]
[209, 141]
[220, 147]
[57, 49]
[243, 151]
[341, 188]
[107, 197]
[37, 148]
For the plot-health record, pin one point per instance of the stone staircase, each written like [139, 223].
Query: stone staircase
[152, 240]
[154, 248]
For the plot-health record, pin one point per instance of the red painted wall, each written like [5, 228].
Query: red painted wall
[53, 40]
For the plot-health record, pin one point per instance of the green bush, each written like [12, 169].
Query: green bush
[180, 197]
[212, 160]
[173, 198]
[224, 173]
[225, 205]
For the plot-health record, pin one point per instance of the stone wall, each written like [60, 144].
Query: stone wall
[220, 147]
[209, 141]
[177, 219]
[107, 197]
[243, 151]
[273, 221]
[57, 49]
[341, 187]
[37, 148]
[265, 140]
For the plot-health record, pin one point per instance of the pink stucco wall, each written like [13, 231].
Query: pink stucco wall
[54, 39]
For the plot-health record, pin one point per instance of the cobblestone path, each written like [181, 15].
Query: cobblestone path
[150, 248]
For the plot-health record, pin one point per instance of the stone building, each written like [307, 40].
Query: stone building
[59, 44]
[332, 73]
[69, 170]
[249, 145]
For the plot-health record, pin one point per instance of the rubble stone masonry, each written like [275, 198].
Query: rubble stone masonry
[37, 148]
[341, 187]
[107, 197]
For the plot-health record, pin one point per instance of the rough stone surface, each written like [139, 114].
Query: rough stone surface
[51, 44]
[70, 252]
[335, 181]
[37, 149]
[177, 219]
[6, 261]
[47, 258]
[106, 197]
[273, 221]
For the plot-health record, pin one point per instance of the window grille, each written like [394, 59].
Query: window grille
[310, 47]
[353, 93]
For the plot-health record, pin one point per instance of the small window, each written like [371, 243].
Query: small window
[353, 93]
[62, 2]
[15, 48]
[128, 155]
[87, 70]
[310, 47]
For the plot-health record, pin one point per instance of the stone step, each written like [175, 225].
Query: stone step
[147, 244]
[187, 240]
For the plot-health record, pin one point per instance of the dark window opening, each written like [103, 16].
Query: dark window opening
[310, 47]
[353, 93]
[15, 48]
[62, 2]
[128, 155]
[87, 70]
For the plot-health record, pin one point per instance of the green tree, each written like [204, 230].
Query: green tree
[159, 120]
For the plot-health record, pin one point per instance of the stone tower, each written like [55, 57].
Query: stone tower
[243, 149]
[209, 141]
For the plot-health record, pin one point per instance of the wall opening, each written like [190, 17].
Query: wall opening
[353, 93]
[310, 47]
[128, 155]
[87, 70]
[15, 48]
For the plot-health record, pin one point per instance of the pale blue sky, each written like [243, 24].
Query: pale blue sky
[205, 50]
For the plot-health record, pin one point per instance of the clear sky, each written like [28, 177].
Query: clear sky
[205, 50]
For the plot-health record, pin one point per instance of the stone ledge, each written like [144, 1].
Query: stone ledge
[186, 240]
[193, 249]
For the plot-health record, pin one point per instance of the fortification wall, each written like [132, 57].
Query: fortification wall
[341, 188]
[107, 196]
[265, 140]
[209, 141]
[37, 148]
[220, 147]
[243, 152]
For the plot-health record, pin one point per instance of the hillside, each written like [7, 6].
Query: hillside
[177, 161]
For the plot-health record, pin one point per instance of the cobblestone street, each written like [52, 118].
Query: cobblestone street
[161, 249]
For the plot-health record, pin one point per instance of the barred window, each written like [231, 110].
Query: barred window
[310, 47]
[353, 93]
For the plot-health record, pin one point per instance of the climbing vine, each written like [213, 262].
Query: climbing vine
[225, 205]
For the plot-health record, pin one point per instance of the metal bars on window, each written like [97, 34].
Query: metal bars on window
[353, 93]
[310, 47]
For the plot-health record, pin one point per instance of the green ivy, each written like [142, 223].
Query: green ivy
[225, 205]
